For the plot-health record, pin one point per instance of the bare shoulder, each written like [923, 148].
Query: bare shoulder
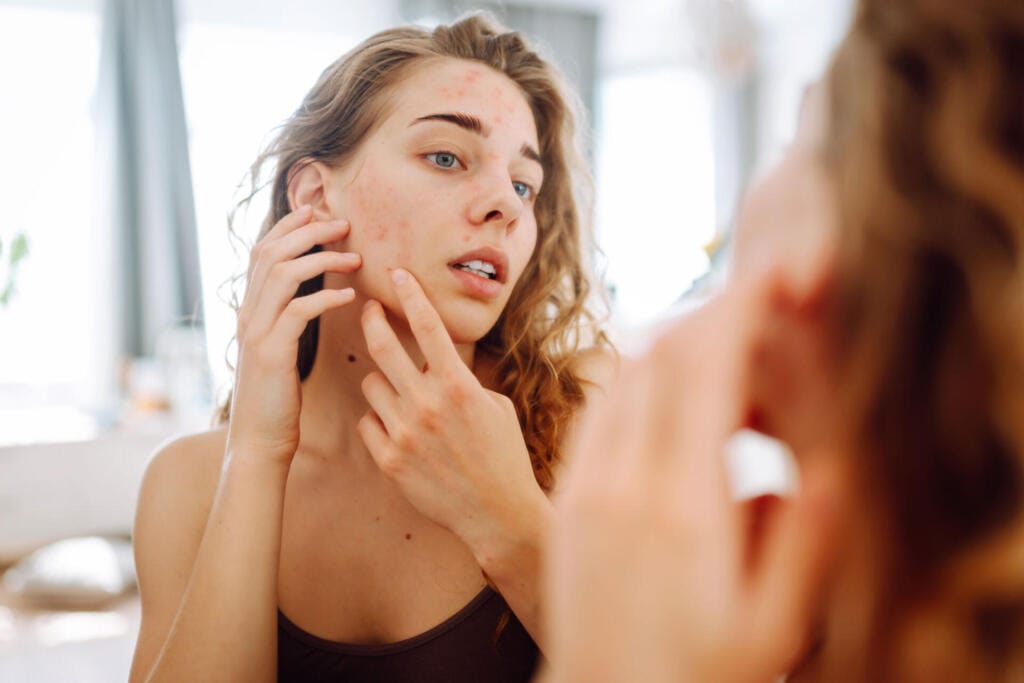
[596, 367]
[174, 502]
[180, 481]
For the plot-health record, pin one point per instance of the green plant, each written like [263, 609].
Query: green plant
[17, 252]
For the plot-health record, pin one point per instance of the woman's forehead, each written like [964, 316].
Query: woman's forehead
[459, 86]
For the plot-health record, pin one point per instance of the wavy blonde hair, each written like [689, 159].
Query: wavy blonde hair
[549, 314]
[926, 145]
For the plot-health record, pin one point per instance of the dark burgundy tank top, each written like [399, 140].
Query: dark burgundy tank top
[467, 647]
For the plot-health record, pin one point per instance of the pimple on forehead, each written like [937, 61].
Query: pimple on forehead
[473, 75]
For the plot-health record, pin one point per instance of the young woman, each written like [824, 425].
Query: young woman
[875, 323]
[409, 362]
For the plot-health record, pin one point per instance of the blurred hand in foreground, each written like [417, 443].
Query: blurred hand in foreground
[657, 573]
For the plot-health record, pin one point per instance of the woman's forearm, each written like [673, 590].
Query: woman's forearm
[226, 627]
[513, 561]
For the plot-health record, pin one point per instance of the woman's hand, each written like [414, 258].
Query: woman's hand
[657, 573]
[454, 448]
[267, 399]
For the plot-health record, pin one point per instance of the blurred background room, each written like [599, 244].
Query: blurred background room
[126, 129]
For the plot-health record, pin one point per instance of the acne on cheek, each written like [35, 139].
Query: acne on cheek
[377, 232]
[369, 205]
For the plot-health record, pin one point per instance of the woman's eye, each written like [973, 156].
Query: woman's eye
[522, 189]
[444, 160]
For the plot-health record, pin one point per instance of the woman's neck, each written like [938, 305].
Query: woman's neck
[332, 397]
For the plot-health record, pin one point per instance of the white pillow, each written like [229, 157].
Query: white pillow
[76, 573]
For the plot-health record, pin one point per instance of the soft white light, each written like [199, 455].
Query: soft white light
[656, 195]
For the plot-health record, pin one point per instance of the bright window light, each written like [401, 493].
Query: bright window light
[48, 335]
[656, 194]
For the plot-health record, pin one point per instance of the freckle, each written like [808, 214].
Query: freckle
[461, 92]
[352, 359]
[377, 518]
[408, 537]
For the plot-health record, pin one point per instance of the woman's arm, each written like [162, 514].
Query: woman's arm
[513, 555]
[209, 591]
[210, 605]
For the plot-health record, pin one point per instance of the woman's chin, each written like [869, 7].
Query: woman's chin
[467, 327]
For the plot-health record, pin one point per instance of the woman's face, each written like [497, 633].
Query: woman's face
[444, 188]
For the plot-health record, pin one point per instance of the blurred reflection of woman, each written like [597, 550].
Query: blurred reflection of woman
[875, 324]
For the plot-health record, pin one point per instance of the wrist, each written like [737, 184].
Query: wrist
[513, 546]
[249, 462]
[243, 446]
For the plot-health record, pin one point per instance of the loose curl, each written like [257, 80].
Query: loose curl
[926, 147]
[549, 314]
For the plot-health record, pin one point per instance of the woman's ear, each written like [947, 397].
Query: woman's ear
[307, 184]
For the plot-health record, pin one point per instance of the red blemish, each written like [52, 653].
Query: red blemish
[377, 232]
[472, 76]
[467, 237]
[408, 537]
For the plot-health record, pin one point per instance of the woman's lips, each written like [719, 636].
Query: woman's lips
[476, 286]
[492, 255]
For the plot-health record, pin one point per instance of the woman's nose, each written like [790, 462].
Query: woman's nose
[497, 202]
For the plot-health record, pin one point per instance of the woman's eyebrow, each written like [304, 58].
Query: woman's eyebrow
[475, 125]
[530, 153]
[467, 121]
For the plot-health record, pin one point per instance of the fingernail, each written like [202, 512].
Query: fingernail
[398, 276]
[304, 209]
[369, 303]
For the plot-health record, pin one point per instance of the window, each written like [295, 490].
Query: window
[49, 336]
[656, 194]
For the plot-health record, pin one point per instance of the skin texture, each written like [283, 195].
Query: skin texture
[368, 501]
